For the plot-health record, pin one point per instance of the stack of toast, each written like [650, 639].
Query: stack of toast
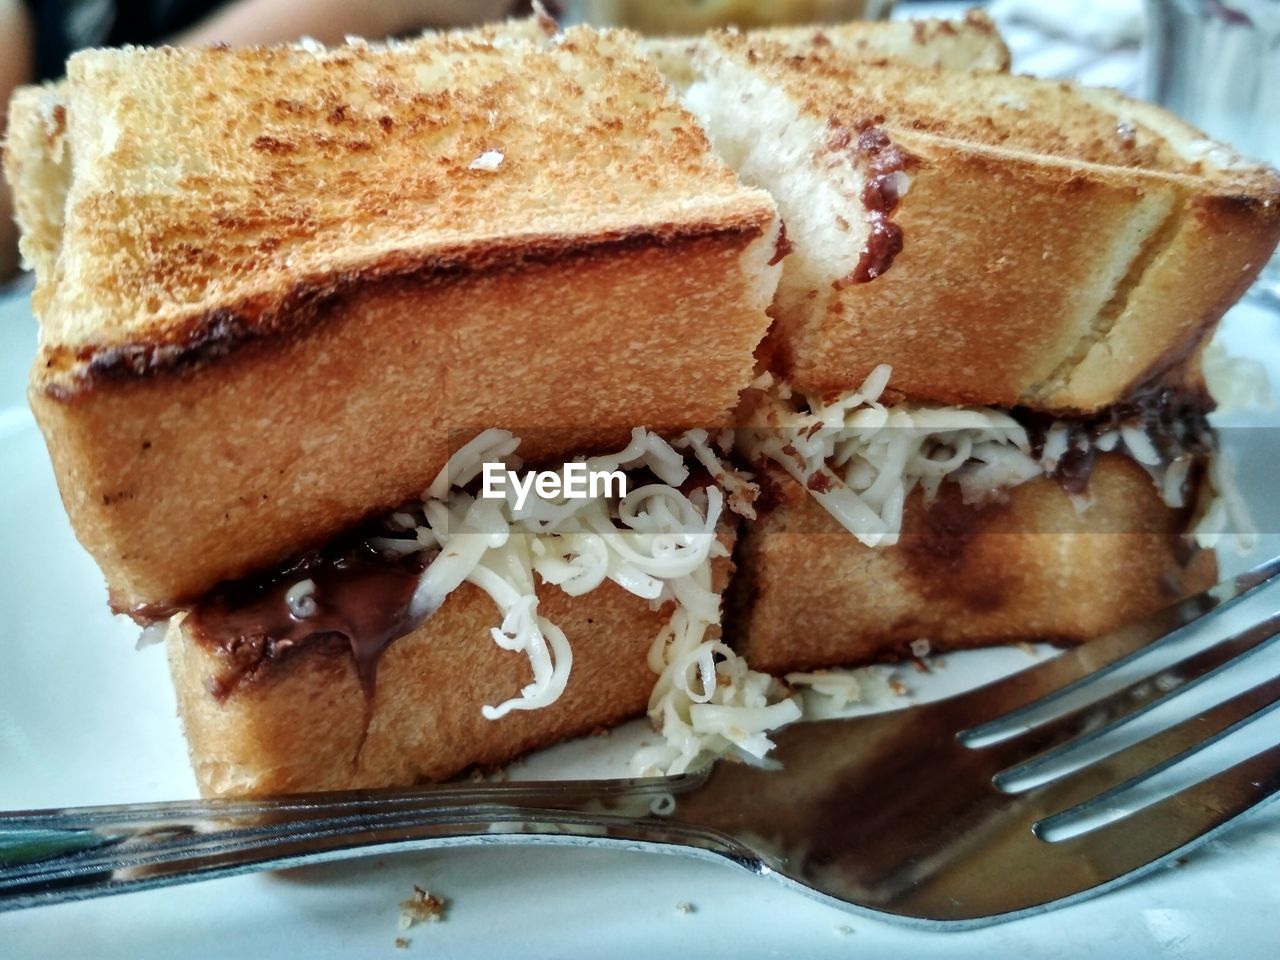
[894, 347]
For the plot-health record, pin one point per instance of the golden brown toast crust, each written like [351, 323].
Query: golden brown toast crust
[302, 437]
[193, 225]
[1059, 246]
[971, 42]
[36, 157]
[808, 595]
[265, 322]
[213, 334]
[968, 42]
[1047, 308]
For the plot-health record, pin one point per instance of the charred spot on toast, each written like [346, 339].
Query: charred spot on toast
[782, 246]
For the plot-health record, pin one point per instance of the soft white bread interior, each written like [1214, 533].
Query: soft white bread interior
[971, 42]
[269, 312]
[1031, 566]
[1057, 245]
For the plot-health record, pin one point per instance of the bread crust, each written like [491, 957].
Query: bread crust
[297, 438]
[299, 726]
[211, 334]
[462, 150]
[967, 42]
[1059, 247]
[971, 42]
[36, 157]
[1068, 306]
[808, 595]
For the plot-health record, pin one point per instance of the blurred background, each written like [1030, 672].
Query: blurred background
[1214, 62]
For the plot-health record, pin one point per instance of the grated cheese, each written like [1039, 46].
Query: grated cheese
[1224, 517]
[840, 686]
[1236, 383]
[657, 543]
[861, 458]
[301, 600]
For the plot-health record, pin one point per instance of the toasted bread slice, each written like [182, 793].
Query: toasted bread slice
[1055, 246]
[268, 316]
[971, 42]
[1029, 568]
[303, 722]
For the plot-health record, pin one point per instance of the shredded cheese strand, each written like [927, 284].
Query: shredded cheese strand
[861, 459]
[657, 543]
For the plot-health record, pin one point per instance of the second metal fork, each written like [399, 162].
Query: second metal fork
[959, 812]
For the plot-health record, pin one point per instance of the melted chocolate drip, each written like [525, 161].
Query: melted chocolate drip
[1174, 418]
[881, 161]
[361, 601]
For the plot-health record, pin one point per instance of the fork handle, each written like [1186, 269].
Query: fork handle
[72, 854]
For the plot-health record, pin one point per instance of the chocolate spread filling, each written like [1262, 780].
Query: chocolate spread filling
[781, 247]
[361, 602]
[1174, 419]
[880, 161]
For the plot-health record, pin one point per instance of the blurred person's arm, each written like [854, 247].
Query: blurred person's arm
[329, 21]
[17, 66]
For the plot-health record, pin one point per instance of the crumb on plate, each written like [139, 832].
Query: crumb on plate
[422, 907]
[684, 906]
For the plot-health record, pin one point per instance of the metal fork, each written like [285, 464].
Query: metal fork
[921, 815]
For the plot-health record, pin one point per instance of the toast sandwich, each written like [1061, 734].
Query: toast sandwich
[893, 348]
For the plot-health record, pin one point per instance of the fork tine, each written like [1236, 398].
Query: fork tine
[1172, 826]
[1000, 709]
[1096, 783]
[1115, 853]
[1083, 727]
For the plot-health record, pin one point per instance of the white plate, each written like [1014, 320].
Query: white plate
[86, 719]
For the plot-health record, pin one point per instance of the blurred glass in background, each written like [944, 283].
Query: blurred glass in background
[694, 16]
[1217, 64]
